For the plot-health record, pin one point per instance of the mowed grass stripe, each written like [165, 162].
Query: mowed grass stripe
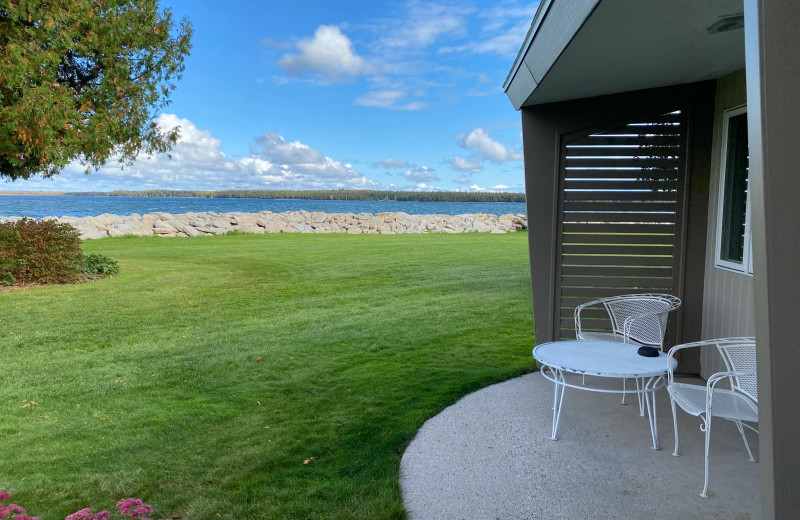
[150, 384]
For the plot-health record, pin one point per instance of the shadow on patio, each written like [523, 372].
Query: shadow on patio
[490, 456]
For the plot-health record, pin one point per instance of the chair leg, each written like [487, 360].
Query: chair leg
[674, 426]
[744, 438]
[706, 427]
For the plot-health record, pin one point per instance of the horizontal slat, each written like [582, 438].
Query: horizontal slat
[600, 172]
[638, 162]
[585, 216]
[625, 185]
[593, 312]
[601, 292]
[633, 151]
[569, 324]
[609, 281]
[616, 260]
[614, 249]
[619, 228]
[594, 238]
[617, 139]
[655, 126]
[619, 206]
[570, 270]
[620, 196]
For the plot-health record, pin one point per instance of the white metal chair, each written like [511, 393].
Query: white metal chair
[737, 404]
[635, 318]
[640, 319]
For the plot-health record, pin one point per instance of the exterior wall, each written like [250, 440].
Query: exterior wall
[727, 296]
[773, 81]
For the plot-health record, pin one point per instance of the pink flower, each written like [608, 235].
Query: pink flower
[83, 514]
[126, 504]
[5, 495]
[86, 514]
[25, 517]
[142, 510]
[15, 508]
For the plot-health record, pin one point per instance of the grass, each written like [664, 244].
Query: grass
[272, 376]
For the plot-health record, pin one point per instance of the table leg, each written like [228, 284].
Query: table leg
[650, 403]
[558, 399]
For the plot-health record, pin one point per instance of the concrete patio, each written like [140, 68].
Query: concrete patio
[490, 456]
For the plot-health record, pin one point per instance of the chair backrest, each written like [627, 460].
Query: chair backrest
[652, 311]
[739, 355]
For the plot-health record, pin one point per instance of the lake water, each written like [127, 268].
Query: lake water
[80, 206]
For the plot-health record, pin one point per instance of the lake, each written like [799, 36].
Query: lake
[37, 206]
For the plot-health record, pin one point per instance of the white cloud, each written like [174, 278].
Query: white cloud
[487, 148]
[388, 99]
[198, 163]
[422, 24]
[506, 43]
[461, 180]
[276, 149]
[328, 53]
[421, 174]
[391, 164]
[475, 187]
[467, 165]
[497, 37]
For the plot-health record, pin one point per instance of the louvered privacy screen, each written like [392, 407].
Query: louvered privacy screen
[622, 197]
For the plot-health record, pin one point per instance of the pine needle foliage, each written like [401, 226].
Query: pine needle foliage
[83, 79]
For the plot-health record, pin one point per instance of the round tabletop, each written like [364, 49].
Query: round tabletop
[601, 358]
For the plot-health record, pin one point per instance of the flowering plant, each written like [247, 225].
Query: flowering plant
[128, 507]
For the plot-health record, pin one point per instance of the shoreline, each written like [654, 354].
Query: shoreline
[211, 223]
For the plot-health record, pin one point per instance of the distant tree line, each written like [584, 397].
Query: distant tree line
[403, 196]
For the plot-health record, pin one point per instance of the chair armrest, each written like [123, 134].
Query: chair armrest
[674, 350]
[577, 314]
[716, 377]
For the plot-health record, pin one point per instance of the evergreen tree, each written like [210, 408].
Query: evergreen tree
[83, 79]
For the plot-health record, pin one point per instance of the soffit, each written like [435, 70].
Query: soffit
[625, 45]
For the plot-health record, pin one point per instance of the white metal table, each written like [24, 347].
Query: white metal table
[602, 359]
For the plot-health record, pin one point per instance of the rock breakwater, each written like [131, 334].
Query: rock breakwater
[210, 223]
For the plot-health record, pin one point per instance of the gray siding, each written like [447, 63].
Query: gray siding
[728, 296]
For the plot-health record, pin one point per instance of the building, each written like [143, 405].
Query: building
[662, 153]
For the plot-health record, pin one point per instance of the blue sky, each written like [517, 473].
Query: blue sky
[336, 94]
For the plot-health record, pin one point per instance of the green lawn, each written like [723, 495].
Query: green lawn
[272, 376]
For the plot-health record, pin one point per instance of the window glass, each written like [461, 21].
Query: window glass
[733, 232]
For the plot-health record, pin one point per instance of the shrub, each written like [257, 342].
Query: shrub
[47, 252]
[42, 251]
[98, 266]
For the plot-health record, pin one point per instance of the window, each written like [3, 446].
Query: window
[733, 224]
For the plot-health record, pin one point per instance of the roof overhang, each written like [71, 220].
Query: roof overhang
[584, 48]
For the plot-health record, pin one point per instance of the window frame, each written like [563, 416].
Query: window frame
[746, 266]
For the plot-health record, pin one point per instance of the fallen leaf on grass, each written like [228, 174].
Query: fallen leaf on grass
[312, 459]
[26, 404]
[258, 358]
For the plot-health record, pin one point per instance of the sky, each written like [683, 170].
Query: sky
[324, 94]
